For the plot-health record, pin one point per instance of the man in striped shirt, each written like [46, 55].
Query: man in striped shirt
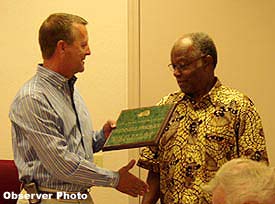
[53, 137]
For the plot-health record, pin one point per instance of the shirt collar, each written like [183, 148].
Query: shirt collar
[213, 91]
[54, 78]
[210, 95]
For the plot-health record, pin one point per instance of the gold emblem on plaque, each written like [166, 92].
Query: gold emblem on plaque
[144, 113]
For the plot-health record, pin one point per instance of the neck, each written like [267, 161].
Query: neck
[56, 67]
[197, 96]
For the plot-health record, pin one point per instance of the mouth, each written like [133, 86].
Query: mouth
[181, 82]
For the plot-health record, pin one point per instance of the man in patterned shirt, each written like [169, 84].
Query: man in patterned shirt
[52, 134]
[211, 124]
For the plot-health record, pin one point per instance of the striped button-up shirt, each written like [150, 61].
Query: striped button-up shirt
[53, 138]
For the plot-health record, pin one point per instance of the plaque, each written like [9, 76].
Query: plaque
[139, 127]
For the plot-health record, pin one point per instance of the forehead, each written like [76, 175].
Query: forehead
[182, 45]
[185, 42]
[80, 31]
[184, 49]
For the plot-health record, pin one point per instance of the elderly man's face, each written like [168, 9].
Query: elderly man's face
[189, 68]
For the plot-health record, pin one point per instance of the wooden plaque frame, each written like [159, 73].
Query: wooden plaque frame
[139, 127]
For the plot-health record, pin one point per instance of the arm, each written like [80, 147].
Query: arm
[153, 195]
[250, 136]
[100, 137]
[35, 122]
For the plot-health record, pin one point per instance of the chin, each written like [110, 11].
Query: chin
[184, 90]
[81, 69]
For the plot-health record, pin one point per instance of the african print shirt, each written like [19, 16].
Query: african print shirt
[199, 138]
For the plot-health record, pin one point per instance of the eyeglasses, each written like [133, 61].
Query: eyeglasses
[182, 67]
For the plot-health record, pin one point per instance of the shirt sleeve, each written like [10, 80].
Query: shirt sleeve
[40, 125]
[250, 135]
[149, 159]
[98, 140]
[149, 155]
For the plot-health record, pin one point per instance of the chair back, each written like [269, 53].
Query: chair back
[9, 181]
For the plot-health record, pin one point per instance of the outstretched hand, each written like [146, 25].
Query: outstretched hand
[130, 184]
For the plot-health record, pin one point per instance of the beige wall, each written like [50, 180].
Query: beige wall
[104, 82]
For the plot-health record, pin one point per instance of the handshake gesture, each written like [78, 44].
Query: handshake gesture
[130, 184]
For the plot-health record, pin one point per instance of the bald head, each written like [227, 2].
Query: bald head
[195, 44]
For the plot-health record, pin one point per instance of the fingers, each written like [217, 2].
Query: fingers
[142, 188]
[108, 127]
[135, 191]
[139, 187]
[129, 183]
[130, 165]
[112, 123]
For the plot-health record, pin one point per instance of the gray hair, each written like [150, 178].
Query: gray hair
[57, 26]
[244, 180]
[205, 44]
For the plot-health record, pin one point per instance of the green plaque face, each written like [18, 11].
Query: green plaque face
[139, 127]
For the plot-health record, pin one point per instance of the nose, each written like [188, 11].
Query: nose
[88, 51]
[176, 72]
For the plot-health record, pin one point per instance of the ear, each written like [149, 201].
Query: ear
[209, 61]
[61, 46]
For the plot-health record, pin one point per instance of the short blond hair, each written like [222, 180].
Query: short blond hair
[58, 26]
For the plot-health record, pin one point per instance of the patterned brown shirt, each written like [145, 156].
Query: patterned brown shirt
[199, 138]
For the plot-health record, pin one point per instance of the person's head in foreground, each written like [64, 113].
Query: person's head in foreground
[243, 181]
